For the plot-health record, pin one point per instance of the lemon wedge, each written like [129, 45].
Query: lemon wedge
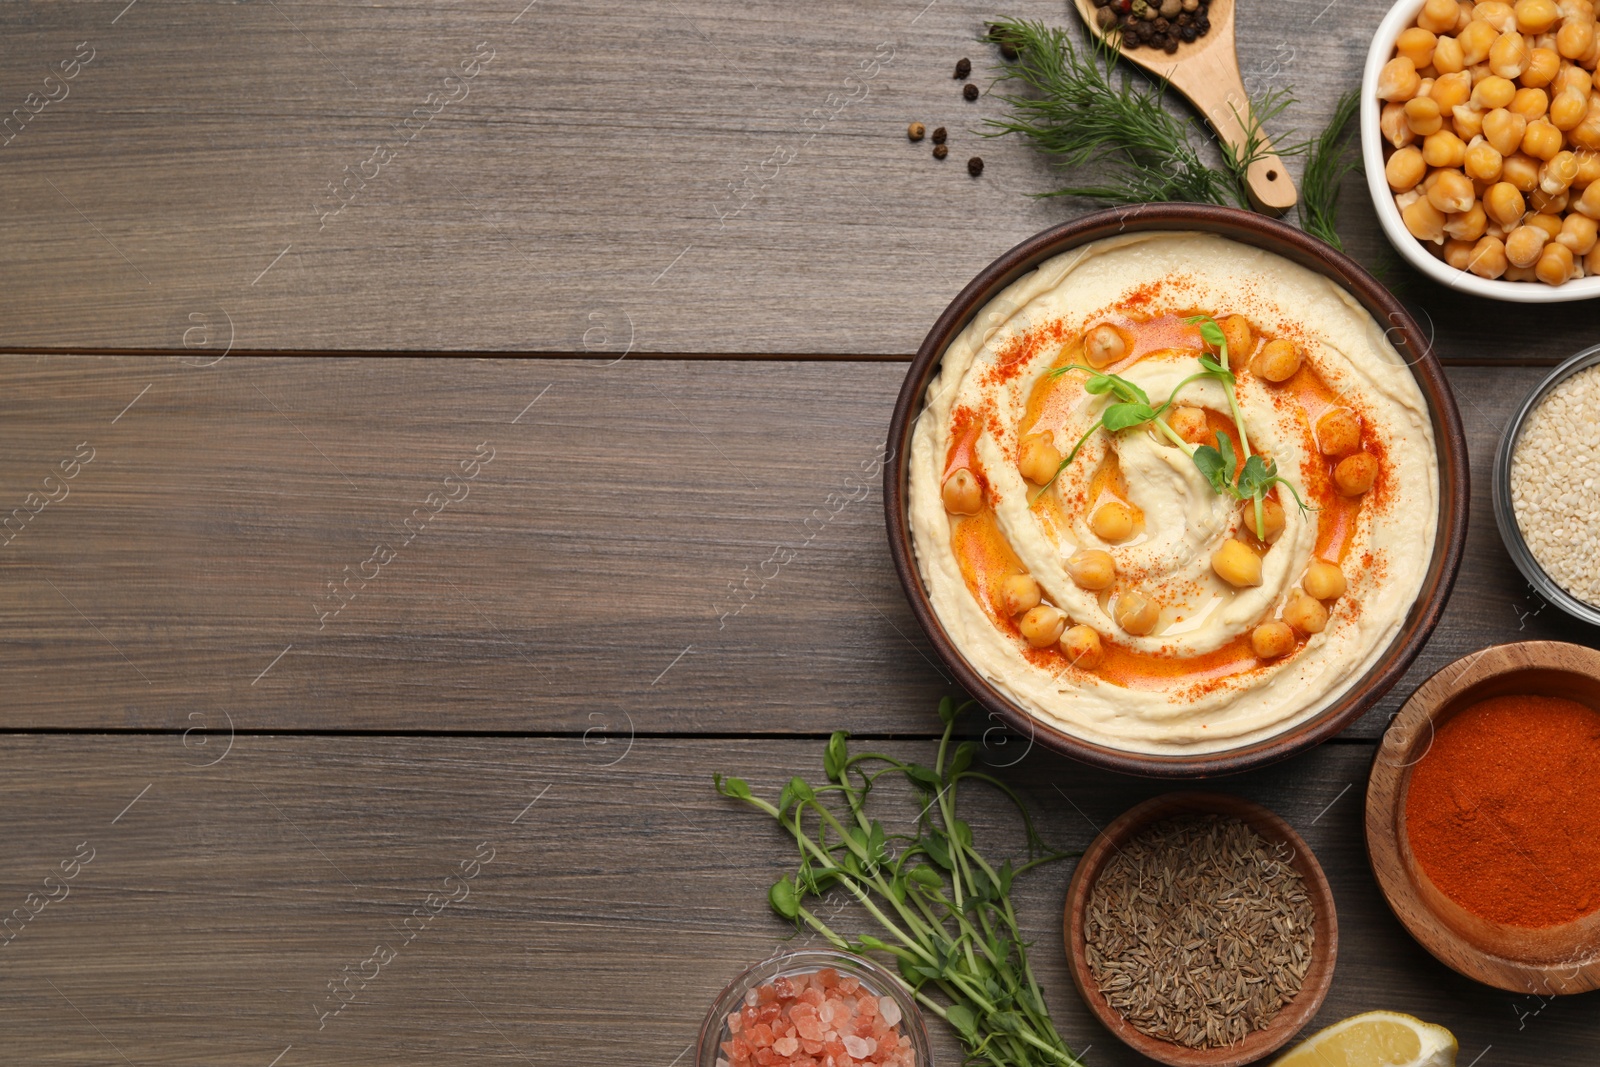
[1375, 1039]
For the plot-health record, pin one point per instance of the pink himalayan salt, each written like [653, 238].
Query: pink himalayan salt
[821, 1019]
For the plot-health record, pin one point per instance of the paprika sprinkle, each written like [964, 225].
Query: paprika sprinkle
[1503, 814]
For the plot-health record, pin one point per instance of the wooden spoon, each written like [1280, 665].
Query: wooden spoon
[1206, 70]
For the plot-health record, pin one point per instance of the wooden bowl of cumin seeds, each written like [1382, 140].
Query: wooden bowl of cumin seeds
[1200, 930]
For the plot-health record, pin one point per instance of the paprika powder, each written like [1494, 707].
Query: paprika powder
[1503, 812]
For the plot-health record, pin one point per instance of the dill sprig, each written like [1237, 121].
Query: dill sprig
[1082, 110]
[1326, 166]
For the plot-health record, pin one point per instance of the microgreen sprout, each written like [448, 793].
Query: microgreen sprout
[947, 911]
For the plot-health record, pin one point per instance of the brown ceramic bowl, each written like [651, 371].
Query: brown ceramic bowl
[1324, 952]
[1546, 961]
[1409, 340]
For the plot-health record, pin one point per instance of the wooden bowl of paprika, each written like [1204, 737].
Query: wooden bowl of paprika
[1483, 824]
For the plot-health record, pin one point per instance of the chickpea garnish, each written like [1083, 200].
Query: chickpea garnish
[1041, 627]
[1398, 80]
[1104, 345]
[1092, 569]
[1423, 221]
[1503, 130]
[1038, 458]
[1112, 521]
[1271, 512]
[1137, 613]
[1081, 645]
[1555, 264]
[1403, 171]
[1237, 564]
[1488, 258]
[1524, 244]
[1423, 115]
[1271, 640]
[1241, 340]
[1338, 432]
[1504, 204]
[1452, 191]
[1355, 474]
[1277, 361]
[962, 493]
[1190, 424]
[1305, 613]
[1324, 580]
[1020, 593]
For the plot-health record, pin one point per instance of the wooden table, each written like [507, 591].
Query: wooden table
[632, 294]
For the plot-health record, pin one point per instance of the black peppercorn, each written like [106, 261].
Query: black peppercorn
[1169, 44]
[938, 135]
[975, 166]
[969, 91]
[963, 67]
[940, 151]
[1187, 33]
[1161, 25]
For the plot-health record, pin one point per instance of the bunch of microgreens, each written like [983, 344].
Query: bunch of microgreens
[947, 910]
[1255, 477]
[1077, 108]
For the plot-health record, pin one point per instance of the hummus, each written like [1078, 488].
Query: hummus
[1214, 664]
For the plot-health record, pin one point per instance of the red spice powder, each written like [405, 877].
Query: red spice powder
[1503, 813]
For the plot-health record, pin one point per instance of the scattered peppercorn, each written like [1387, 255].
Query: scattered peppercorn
[975, 166]
[940, 151]
[916, 130]
[970, 91]
[938, 135]
[963, 67]
[1007, 43]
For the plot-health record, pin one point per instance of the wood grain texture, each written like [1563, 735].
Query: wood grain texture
[1549, 961]
[656, 546]
[689, 176]
[218, 907]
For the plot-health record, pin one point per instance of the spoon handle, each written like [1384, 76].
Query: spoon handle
[1216, 89]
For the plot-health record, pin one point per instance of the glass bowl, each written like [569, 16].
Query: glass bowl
[1505, 515]
[874, 978]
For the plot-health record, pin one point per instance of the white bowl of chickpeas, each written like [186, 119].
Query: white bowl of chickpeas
[1480, 132]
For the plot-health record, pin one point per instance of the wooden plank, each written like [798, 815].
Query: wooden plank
[740, 184]
[221, 901]
[654, 546]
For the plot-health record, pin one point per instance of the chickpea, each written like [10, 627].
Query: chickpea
[1456, 253]
[1019, 593]
[1241, 338]
[1509, 56]
[1568, 109]
[1521, 274]
[1450, 91]
[1439, 16]
[1104, 345]
[1540, 140]
[1277, 361]
[1504, 204]
[1190, 424]
[1588, 168]
[1237, 563]
[1398, 80]
[1417, 45]
[1324, 580]
[1136, 613]
[1271, 513]
[1038, 458]
[1488, 258]
[1591, 261]
[1494, 92]
[1444, 149]
[1447, 56]
[1475, 41]
[1452, 192]
[1339, 432]
[1483, 161]
[1574, 78]
[1355, 474]
[1555, 264]
[962, 493]
[1041, 627]
[1536, 16]
[1524, 244]
[1578, 234]
[1552, 204]
[1466, 122]
[1092, 568]
[1575, 39]
[1499, 15]
[1531, 104]
[1522, 171]
[1468, 225]
[1543, 65]
[1271, 640]
[1589, 203]
[1112, 521]
[1558, 173]
[1503, 130]
[1392, 124]
[1305, 613]
[1081, 645]
[1403, 171]
[1424, 221]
